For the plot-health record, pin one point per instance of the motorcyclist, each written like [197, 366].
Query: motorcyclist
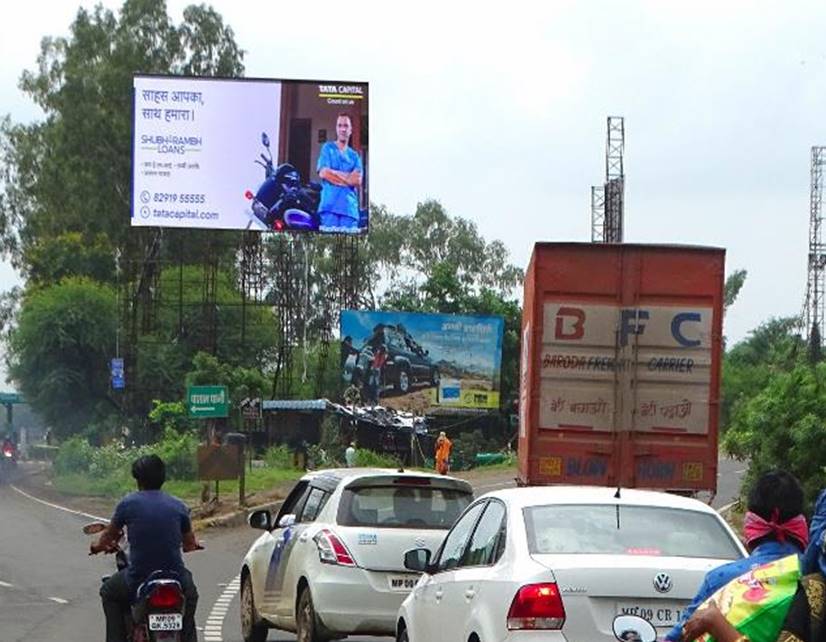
[10, 445]
[158, 528]
[774, 527]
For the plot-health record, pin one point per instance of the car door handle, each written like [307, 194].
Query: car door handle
[439, 594]
[470, 593]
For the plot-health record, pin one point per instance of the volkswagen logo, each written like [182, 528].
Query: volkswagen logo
[662, 582]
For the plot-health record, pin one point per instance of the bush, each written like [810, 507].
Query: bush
[74, 456]
[179, 452]
[113, 463]
[279, 457]
[369, 459]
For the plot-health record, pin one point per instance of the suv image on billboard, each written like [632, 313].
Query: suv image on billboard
[407, 362]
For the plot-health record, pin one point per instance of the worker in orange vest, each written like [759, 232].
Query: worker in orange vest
[443, 448]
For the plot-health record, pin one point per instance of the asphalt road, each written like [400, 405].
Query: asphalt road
[49, 585]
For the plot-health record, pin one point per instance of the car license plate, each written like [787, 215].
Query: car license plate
[658, 613]
[166, 622]
[402, 582]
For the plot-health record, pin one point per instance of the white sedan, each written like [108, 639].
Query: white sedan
[560, 563]
[331, 562]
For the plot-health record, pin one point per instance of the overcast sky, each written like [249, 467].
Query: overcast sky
[498, 110]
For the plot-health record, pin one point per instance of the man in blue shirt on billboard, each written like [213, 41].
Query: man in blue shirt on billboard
[341, 170]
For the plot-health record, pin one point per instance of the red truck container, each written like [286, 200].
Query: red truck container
[620, 370]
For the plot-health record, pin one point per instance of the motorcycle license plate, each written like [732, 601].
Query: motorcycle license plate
[166, 622]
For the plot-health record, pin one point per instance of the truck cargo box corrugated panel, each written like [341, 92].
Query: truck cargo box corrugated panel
[620, 372]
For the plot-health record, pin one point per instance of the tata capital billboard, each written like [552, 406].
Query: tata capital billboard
[246, 154]
[413, 361]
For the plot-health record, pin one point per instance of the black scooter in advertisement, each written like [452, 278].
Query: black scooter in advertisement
[282, 203]
[157, 613]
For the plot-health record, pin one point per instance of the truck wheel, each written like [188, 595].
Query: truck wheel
[306, 622]
[251, 628]
[403, 381]
[402, 636]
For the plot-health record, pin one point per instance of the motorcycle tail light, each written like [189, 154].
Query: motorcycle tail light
[8, 451]
[279, 224]
[248, 195]
[331, 550]
[166, 596]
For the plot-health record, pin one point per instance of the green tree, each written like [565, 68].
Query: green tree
[783, 426]
[774, 347]
[71, 171]
[731, 289]
[433, 262]
[184, 327]
[59, 353]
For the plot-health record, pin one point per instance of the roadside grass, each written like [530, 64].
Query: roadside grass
[115, 486]
[502, 465]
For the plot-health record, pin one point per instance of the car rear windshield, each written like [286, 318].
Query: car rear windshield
[401, 507]
[629, 530]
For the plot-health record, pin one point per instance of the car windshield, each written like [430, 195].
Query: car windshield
[627, 530]
[401, 507]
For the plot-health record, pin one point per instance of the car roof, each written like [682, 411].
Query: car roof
[540, 495]
[351, 474]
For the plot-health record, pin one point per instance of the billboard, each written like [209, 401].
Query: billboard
[412, 361]
[235, 154]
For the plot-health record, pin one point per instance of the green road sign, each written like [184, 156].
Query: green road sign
[10, 397]
[207, 401]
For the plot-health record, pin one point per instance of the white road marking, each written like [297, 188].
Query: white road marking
[213, 631]
[59, 600]
[6, 585]
[58, 507]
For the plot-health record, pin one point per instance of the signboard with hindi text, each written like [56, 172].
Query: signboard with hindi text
[207, 401]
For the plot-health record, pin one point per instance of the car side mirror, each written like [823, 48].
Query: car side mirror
[260, 519]
[286, 520]
[265, 140]
[417, 559]
[632, 628]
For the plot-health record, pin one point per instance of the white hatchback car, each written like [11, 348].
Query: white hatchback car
[560, 563]
[331, 563]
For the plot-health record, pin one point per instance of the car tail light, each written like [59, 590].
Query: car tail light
[331, 550]
[8, 450]
[537, 606]
[166, 596]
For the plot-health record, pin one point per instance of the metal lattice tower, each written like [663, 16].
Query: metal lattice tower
[597, 214]
[814, 312]
[608, 201]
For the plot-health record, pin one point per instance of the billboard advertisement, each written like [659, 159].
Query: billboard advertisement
[413, 361]
[282, 155]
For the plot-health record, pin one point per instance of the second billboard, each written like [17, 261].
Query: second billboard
[278, 155]
[412, 361]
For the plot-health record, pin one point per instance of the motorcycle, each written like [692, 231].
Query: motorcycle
[282, 202]
[8, 462]
[157, 612]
